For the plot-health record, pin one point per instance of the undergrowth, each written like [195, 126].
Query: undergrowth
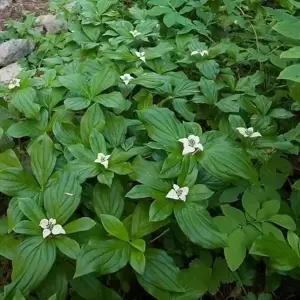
[152, 149]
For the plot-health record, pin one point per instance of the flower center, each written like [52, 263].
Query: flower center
[179, 192]
[192, 143]
[249, 131]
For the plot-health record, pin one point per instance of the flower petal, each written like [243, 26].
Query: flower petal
[44, 223]
[176, 187]
[52, 221]
[57, 229]
[46, 232]
[255, 134]
[242, 130]
[172, 195]
[184, 141]
[199, 146]
[194, 138]
[104, 164]
[182, 197]
[187, 150]
[185, 190]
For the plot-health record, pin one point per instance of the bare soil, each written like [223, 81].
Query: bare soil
[21, 8]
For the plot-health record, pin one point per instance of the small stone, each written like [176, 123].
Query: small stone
[5, 8]
[13, 50]
[9, 72]
[51, 23]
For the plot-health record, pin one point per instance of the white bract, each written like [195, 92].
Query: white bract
[141, 55]
[126, 78]
[102, 159]
[248, 132]
[191, 144]
[134, 33]
[201, 52]
[50, 227]
[14, 83]
[178, 193]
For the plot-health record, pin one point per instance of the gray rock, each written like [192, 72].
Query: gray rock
[9, 72]
[13, 50]
[51, 23]
[5, 8]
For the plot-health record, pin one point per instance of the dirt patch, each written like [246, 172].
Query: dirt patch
[22, 7]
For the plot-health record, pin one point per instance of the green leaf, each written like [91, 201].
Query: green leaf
[62, 197]
[139, 191]
[149, 80]
[290, 73]
[227, 162]
[104, 257]
[17, 182]
[137, 260]
[284, 221]
[92, 119]
[8, 159]
[160, 209]
[32, 263]
[102, 81]
[209, 90]
[55, 283]
[14, 214]
[198, 193]
[8, 246]
[90, 288]
[114, 227]
[198, 226]
[161, 271]
[43, 159]
[280, 113]
[81, 224]
[106, 178]
[289, 29]
[97, 142]
[66, 133]
[68, 247]
[77, 103]
[235, 253]
[209, 68]
[162, 126]
[230, 195]
[189, 171]
[171, 166]
[31, 210]
[291, 53]
[141, 225]
[147, 173]
[281, 255]
[139, 244]
[28, 228]
[112, 100]
[234, 213]
[115, 130]
[181, 106]
[24, 101]
[107, 200]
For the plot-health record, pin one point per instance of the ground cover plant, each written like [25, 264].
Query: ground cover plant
[150, 151]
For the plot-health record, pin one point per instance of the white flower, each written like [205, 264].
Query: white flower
[126, 78]
[102, 159]
[15, 82]
[50, 227]
[248, 132]
[140, 55]
[134, 33]
[235, 22]
[178, 193]
[201, 52]
[191, 144]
